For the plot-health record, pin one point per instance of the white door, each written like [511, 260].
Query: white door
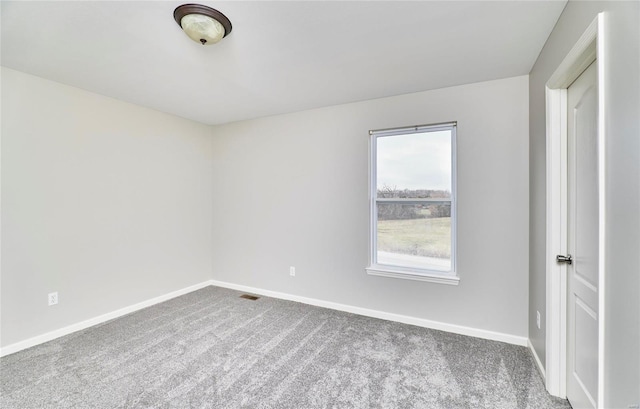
[582, 235]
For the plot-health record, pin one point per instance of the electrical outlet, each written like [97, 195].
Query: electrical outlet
[53, 298]
[538, 319]
[292, 271]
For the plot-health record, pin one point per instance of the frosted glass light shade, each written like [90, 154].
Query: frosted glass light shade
[202, 29]
[202, 23]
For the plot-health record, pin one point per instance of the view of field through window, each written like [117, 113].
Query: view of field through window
[414, 200]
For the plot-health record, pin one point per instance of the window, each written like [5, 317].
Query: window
[413, 203]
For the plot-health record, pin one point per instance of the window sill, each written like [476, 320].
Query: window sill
[385, 271]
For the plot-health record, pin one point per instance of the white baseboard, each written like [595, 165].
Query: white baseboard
[405, 319]
[40, 339]
[538, 361]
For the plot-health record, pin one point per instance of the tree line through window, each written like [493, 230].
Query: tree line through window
[399, 211]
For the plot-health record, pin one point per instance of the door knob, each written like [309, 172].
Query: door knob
[564, 259]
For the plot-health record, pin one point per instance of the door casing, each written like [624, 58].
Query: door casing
[589, 48]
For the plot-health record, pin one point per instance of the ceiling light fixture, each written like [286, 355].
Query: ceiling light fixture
[201, 23]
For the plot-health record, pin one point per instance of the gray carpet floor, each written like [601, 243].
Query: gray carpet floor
[212, 349]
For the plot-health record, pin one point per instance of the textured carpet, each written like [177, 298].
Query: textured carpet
[212, 349]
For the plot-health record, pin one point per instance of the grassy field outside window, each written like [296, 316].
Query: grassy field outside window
[418, 237]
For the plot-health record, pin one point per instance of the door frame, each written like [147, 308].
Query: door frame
[589, 48]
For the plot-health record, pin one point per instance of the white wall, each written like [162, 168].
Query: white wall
[622, 194]
[291, 190]
[105, 202]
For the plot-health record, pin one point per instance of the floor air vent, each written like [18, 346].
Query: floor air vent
[249, 297]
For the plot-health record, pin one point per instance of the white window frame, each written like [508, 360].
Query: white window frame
[394, 271]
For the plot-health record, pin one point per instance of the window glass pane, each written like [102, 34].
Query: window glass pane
[414, 165]
[415, 235]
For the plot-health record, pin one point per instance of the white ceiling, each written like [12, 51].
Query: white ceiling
[280, 56]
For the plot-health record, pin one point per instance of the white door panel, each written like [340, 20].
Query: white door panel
[586, 361]
[582, 235]
[586, 186]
